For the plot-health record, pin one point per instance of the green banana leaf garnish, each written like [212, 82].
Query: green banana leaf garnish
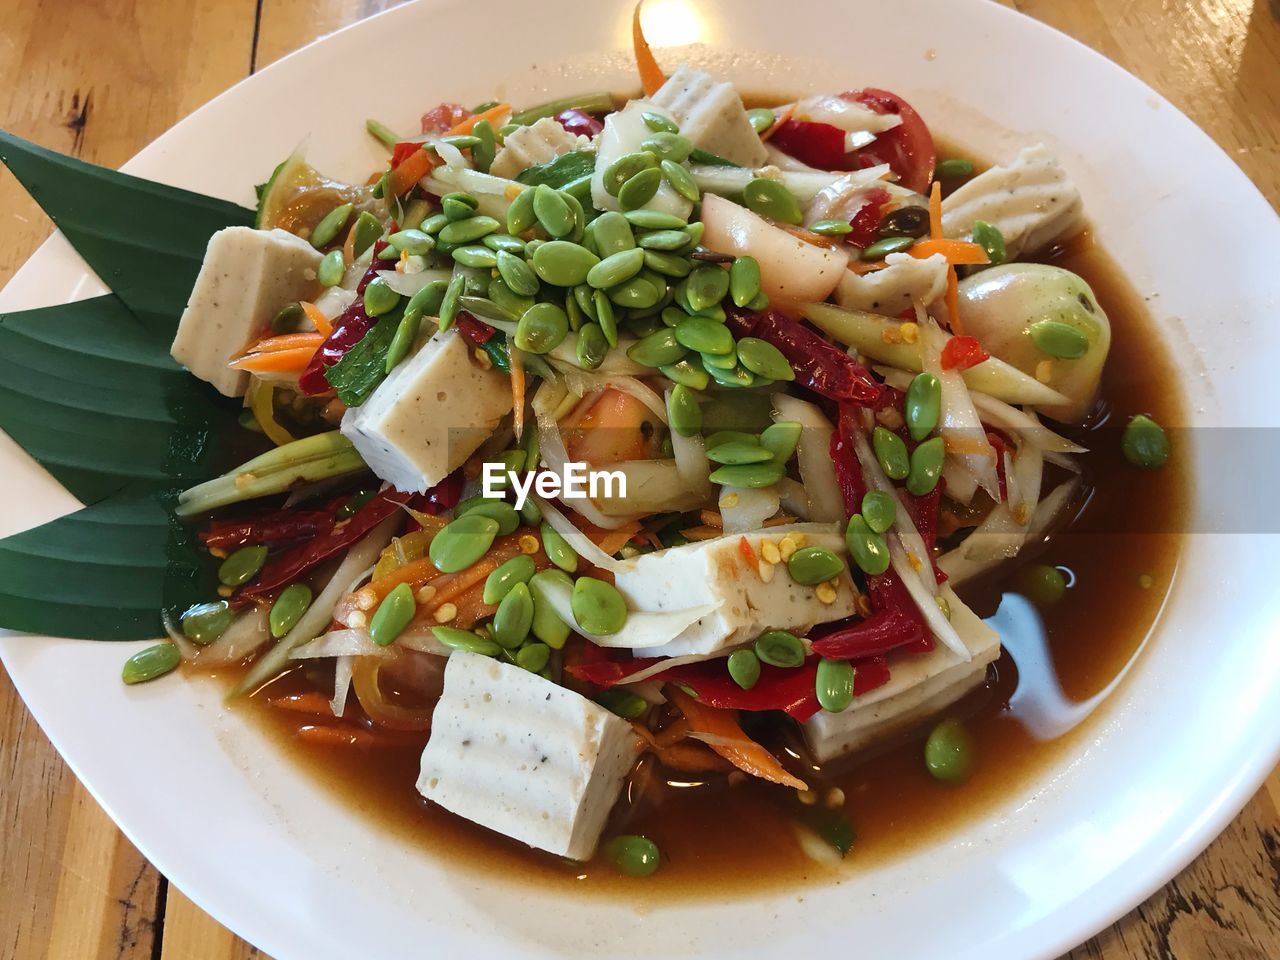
[88, 389]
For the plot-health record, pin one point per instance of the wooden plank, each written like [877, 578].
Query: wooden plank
[74, 886]
[191, 934]
[286, 25]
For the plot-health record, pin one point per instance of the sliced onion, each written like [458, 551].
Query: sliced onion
[669, 663]
[341, 685]
[246, 635]
[904, 528]
[564, 359]
[793, 498]
[933, 615]
[958, 423]
[1027, 471]
[961, 484]
[842, 199]
[1023, 423]
[744, 510]
[180, 640]
[407, 284]
[653, 486]
[582, 382]
[422, 638]
[1061, 460]
[349, 642]
[849, 115]
[318, 615]
[334, 302]
[817, 471]
[581, 543]
[692, 464]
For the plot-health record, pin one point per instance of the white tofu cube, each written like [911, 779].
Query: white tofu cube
[518, 754]
[429, 415]
[716, 572]
[919, 685]
[624, 131]
[246, 277]
[539, 142]
[712, 116]
[1031, 200]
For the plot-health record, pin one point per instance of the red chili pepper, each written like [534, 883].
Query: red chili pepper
[908, 148]
[403, 151]
[869, 674]
[817, 144]
[444, 117]
[284, 569]
[866, 221]
[924, 511]
[1000, 443]
[877, 635]
[579, 123]
[961, 353]
[277, 527]
[793, 690]
[443, 496]
[848, 472]
[819, 366]
[474, 330]
[348, 330]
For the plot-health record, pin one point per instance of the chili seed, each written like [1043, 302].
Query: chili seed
[926, 466]
[206, 622]
[1058, 339]
[634, 856]
[513, 618]
[379, 298]
[562, 263]
[154, 661]
[763, 358]
[519, 569]
[781, 438]
[772, 199]
[866, 546]
[293, 602]
[891, 453]
[327, 229]
[466, 640]
[542, 328]
[882, 248]
[332, 268]
[462, 542]
[557, 549]
[880, 510]
[834, 685]
[598, 607]
[778, 648]
[751, 475]
[813, 565]
[640, 189]
[949, 752]
[393, 614]
[744, 668]
[242, 566]
[923, 405]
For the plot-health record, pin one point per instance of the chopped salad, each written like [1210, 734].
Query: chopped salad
[817, 366]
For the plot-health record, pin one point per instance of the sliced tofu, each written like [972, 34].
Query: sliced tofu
[919, 685]
[518, 754]
[906, 281]
[429, 415]
[716, 573]
[712, 116]
[539, 142]
[246, 277]
[1031, 200]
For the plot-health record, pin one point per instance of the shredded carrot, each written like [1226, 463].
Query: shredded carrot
[294, 360]
[311, 702]
[953, 303]
[957, 252]
[778, 122]
[610, 541]
[861, 267]
[349, 245]
[730, 742]
[809, 237]
[412, 169]
[317, 318]
[344, 736]
[935, 211]
[493, 114]
[651, 75]
[953, 283]
[286, 341]
[517, 391]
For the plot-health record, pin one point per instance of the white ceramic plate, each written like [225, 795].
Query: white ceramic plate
[1177, 751]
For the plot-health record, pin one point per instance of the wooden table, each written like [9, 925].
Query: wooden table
[101, 79]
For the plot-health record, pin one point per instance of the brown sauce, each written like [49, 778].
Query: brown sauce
[1121, 550]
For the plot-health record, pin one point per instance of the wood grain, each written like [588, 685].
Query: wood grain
[104, 81]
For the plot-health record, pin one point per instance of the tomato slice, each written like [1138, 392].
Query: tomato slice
[907, 148]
